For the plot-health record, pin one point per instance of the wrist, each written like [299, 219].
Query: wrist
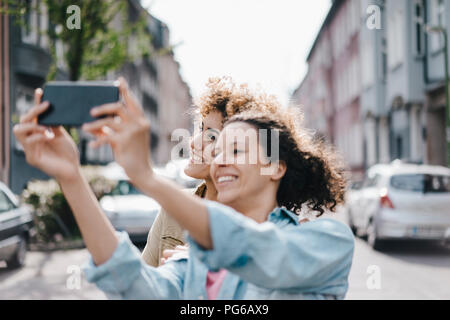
[145, 179]
[71, 178]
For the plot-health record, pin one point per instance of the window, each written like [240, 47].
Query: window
[30, 33]
[372, 181]
[5, 203]
[418, 28]
[437, 19]
[368, 62]
[384, 59]
[421, 183]
[395, 39]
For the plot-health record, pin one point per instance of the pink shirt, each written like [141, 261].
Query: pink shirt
[214, 282]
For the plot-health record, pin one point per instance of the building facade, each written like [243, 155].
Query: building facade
[159, 87]
[385, 80]
[330, 92]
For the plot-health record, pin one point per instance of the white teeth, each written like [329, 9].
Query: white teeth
[226, 178]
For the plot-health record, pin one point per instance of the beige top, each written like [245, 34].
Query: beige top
[165, 233]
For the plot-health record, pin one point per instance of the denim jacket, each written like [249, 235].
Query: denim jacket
[277, 259]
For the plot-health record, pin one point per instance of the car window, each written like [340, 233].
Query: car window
[5, 203]
[371, 181]
[356, 185]
[421, 183]
[124, 188]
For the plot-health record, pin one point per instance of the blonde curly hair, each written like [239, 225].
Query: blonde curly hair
[224, 96]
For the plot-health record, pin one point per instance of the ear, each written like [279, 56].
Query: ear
[279, 170]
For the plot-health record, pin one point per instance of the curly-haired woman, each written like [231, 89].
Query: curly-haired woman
[221, 100]
[252, 240]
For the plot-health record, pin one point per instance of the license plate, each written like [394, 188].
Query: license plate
[425, 231]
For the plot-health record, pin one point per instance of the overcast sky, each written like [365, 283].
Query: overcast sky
[261, 42]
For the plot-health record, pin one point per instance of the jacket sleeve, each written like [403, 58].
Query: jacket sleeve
[126, 276]
[317, 254]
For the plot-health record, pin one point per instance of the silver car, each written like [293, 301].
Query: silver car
[16, 222]
[401, 201]
[129, 210]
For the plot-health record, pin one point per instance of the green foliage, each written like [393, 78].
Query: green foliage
[102, 42]
[52, 215]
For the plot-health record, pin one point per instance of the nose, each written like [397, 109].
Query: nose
[197, 142]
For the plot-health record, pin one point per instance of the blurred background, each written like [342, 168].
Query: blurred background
[371, 77]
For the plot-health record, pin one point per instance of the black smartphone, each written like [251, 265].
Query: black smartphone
[71, 102]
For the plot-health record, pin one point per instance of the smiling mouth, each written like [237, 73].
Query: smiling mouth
[226, 179]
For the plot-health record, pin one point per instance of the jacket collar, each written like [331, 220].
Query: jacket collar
[283, 212]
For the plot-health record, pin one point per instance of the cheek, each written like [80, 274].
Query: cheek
[197, 171]
[208, 153]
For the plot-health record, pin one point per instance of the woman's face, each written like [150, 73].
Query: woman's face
[202, 145]
[239, 170]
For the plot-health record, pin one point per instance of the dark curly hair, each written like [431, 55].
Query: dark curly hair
[315, 173]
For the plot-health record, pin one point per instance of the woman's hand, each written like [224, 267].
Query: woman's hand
[127, 130]
[168, 253]
[50, 149]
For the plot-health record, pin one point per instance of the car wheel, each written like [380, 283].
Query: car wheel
[372, 238]
[18, 258]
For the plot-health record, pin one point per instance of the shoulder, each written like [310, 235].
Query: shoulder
[329, 228]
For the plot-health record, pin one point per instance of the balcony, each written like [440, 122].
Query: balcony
[31, 60]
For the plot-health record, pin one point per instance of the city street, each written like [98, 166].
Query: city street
[404, 271]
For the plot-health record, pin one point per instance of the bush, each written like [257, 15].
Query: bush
[53, 218]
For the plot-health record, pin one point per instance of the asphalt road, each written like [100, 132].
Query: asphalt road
[406, 270]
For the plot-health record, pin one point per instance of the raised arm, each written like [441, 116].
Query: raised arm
[274, 255]
[129, 137]
[53, 151]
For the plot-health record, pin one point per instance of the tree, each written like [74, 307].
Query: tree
[95, 46]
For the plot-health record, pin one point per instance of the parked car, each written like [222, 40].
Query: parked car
[401, 201]
[129, 210]
[15, 224]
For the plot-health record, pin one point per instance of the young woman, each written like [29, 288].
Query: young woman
[221, 100]
[254, 242]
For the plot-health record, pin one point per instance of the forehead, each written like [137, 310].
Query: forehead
[238, 132]
[213, 120]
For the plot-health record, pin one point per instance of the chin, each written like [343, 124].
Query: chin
[227, 197]
[197, 171]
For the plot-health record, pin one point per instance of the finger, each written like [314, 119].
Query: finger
[32, 114]
[35, 138]
[168, 253]
[128, 97]
[109, 109]
[24, 129]
[162, 261]
[113, 123]
[38, 93]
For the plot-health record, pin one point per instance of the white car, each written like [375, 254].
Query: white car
[129, 210]
[401, 201]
